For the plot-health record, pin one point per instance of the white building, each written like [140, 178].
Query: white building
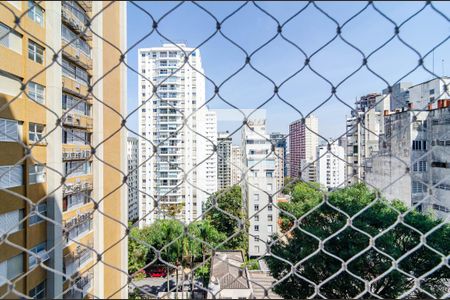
[420, 95]
[224, 143]
[279, 167]
[207, 170]
[259, 185]
[363, 130]
[171, 91]
[331, 165]
[413, 163]
[133, 178]
[236, 164]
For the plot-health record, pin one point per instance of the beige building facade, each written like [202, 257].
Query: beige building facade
[53, 176]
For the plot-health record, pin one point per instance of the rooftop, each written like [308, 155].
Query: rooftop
[226, 271]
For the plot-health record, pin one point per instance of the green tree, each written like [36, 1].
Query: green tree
[230, 201]
[169, 237]
[395, 242]
[137, 252]
[207, 238]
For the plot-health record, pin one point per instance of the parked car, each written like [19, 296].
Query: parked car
[156, 271]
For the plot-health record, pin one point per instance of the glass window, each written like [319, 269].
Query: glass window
[75, 200]
[36, 174]
[76, 137]
[269, 218]
[256, 227]
[9, 131]
[9, 222]
[10, 39]
[418, 187]
[75, 105]
[35, 12]
[75, 72]
[11, 176]
[34, 218]
[14, 266]
[35, 132]
[77, 168]
[76, 42]
[76, 10]
[40, 251]
[35, 52]
[269, 229]
[36, 92]
[38, 292]
[420, 166]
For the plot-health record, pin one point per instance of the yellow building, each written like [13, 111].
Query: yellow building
[56, 171]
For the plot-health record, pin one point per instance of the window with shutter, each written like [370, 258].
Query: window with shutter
[9, 222]
[4, 35]
[9, 130]
[11, 176]
[10, 39]
[14, 266]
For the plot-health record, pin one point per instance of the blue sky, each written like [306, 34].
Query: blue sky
[250, 28]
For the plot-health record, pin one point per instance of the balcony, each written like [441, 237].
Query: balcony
[77, 55]
[77, 120]
[86, 5]
[73, 86]
[81, 288]
[75, 153]
[77, 259]
[75, 19]
[71, 188]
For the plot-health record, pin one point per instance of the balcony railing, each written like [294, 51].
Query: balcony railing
[77, 187]
[76, 120]
[76, 154]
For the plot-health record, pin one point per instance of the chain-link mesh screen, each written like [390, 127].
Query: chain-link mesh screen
[273, 229]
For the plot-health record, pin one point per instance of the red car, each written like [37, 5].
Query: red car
[156, 272]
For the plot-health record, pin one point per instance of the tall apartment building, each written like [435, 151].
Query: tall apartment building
[413, 162]
[172, 113]
[224, 144]
[280, 141]
[258, 186]
[236, 165]
[61, 178]
[133, 178]
[279, 167]
[399, 95]
[363, 129]
[420, 95]
[303, 142]
[207, 168]
[331, 165]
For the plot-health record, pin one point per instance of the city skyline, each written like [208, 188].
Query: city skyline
[280, 158]
[305, 91]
